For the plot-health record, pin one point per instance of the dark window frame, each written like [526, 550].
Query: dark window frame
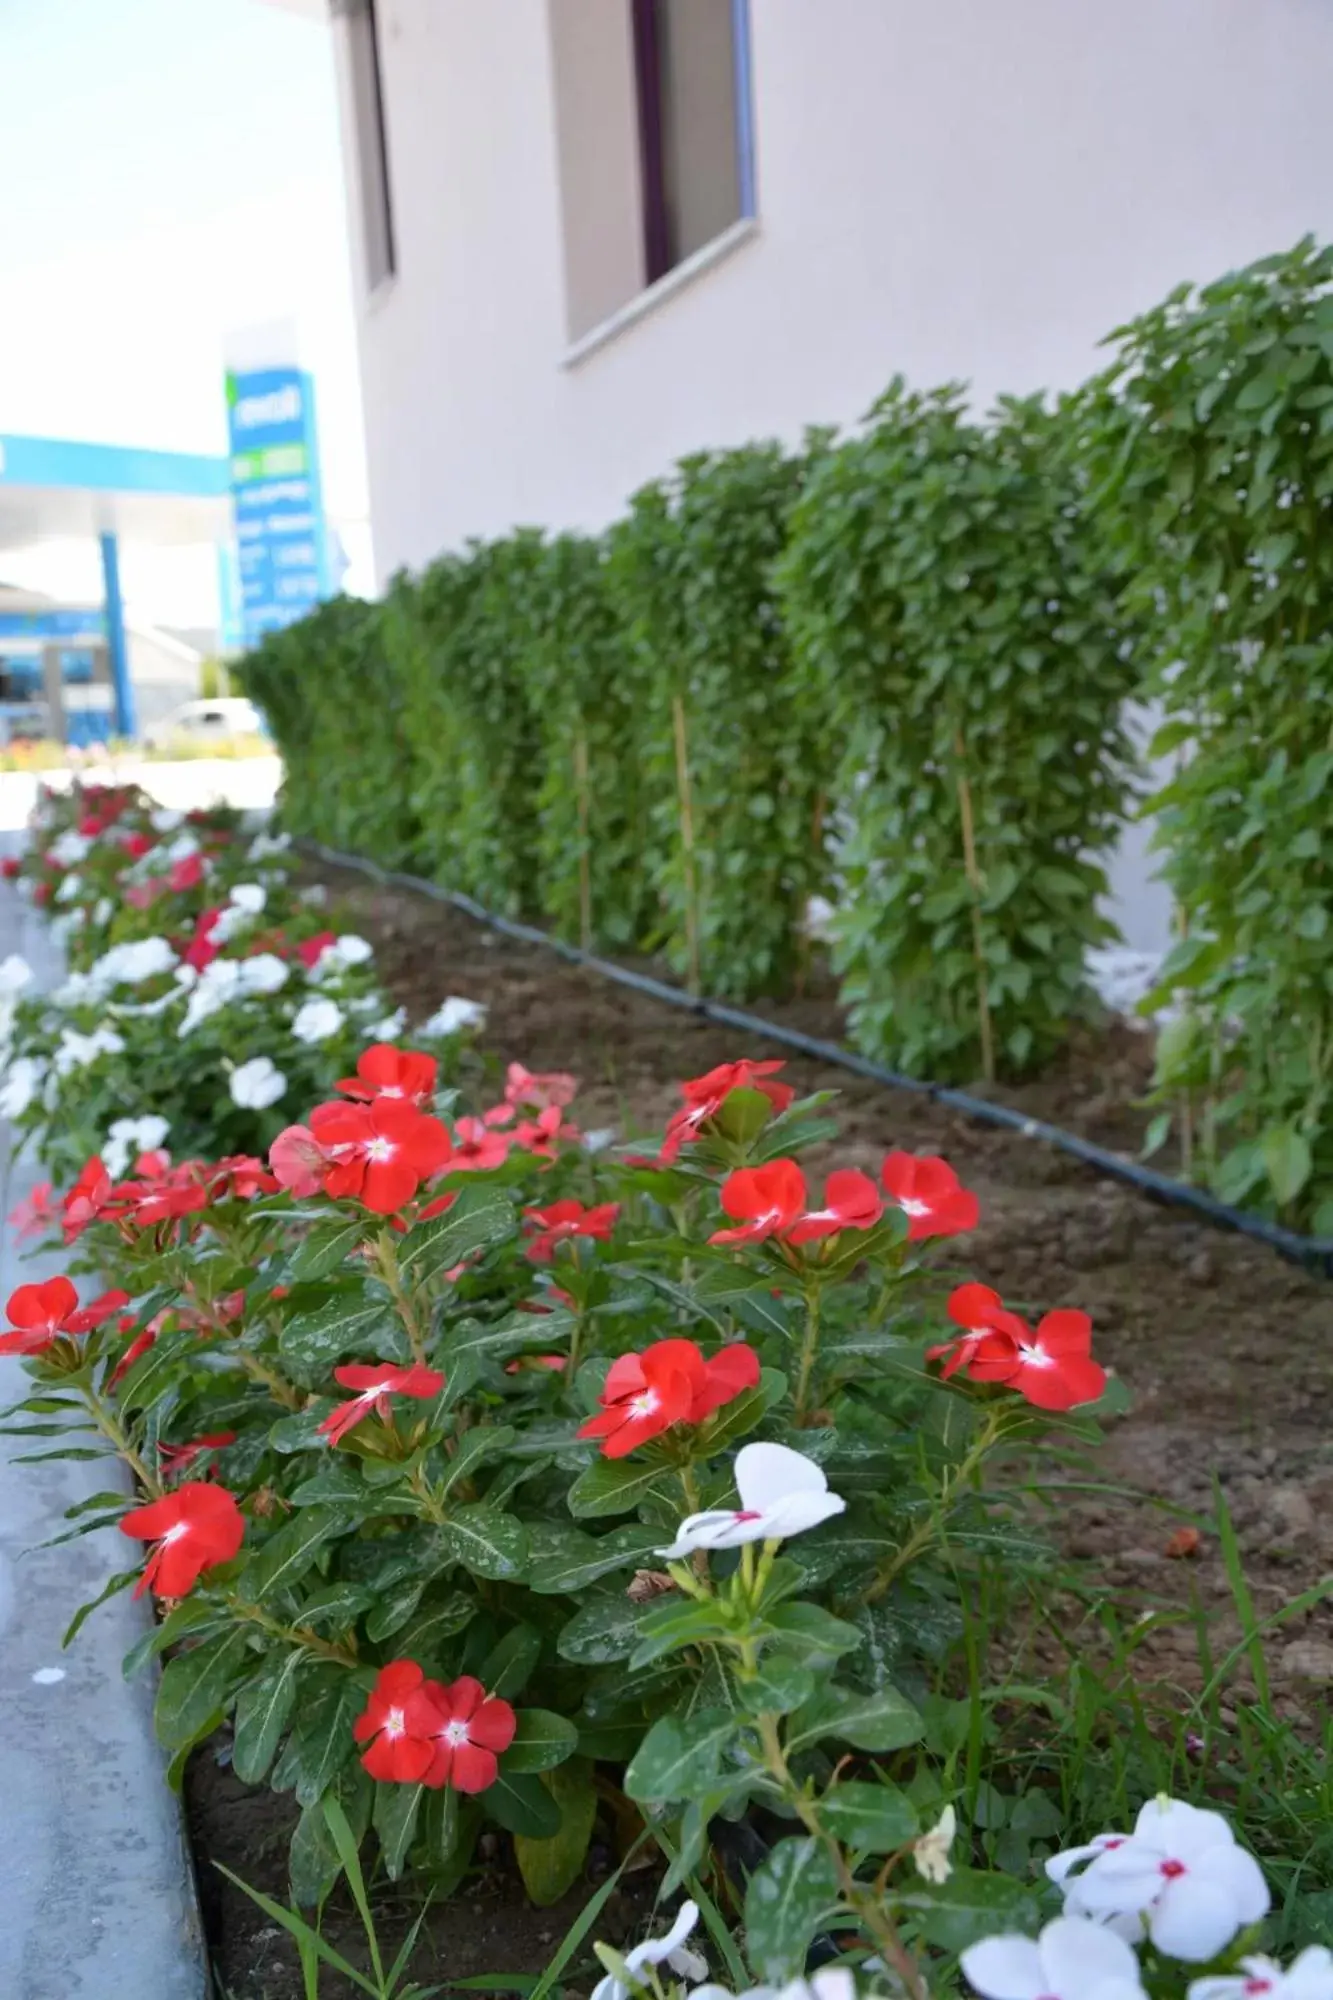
[646, 24]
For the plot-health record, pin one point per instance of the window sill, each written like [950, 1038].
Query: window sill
[647, 302]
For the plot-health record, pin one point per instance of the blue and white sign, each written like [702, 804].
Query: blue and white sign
[281, 539]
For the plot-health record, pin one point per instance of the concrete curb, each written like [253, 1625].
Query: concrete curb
[100, 1899]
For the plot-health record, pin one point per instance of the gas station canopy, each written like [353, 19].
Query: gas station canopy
[58, 488]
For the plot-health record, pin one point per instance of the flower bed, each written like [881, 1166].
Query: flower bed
[439, 1416]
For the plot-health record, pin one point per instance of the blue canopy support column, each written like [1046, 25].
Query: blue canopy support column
[117, 650]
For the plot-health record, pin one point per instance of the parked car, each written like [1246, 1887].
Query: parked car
[225, 716]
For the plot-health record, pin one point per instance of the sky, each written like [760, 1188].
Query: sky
[172, 173]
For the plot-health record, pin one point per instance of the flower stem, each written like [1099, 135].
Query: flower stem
[390, 1271]
[295, 1635]
[114, 1433]
[809, 1351]
[921, 1537]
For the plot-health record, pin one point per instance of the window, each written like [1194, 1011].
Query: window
[653, 129]
[372, 152]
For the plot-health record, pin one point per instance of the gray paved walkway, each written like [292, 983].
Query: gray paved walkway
[98, 1900]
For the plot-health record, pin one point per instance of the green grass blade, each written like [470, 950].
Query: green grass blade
[345, 1842]
[298, 1928]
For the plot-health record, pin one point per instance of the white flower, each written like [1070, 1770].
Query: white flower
[130, 964]
[250, 897]
[1180, 1874]
[22, 1081]
[782, 1493]
[264, 973]
[1073, 1959]
[216, 987]
[71, 848]
[348, 950]
[257, 1084]
[104, 910]
[15, 974]
[181, 848]
[265, 844]
[831, 1982]
[165, 819]
[128, 1138]
[316, 1020]
[1308, 1977]
[390, 1028]
[70, 889]
[453, 1016]
[931, 1851]
[656, 1951]
[76, 1051]
[74, 989]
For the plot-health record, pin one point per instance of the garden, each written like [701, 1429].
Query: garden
[630, 1511]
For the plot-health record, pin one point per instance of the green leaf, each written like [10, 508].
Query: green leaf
[819, 1637]
[321, 1744]
[542, 1739]
[971, 1905]
[1288, 1161]
[742, 1415]
[334, 1606]
[114, 1584]
[312, 1860]
[884, 1720]
[873, 1819]
[287, 1555]
[605, 1630]
[520, 1803]
[472, 1346]
[484, 1541]
[676, 1760]
[614, 1486]
[348, 1326]
[675, 1624]
[328, 1248]
[482, 1441]
[396, 1809]
[568, 1562]
[481, 1216]
[263, 1710]
[550, 1868]
[394, 1608]
[507, 1667]
[788, 1898]
[780, 1685]
[195, 1686]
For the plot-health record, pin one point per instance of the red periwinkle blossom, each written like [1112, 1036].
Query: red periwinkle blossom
[298, 1161]
[538, 1090]
[143, 895]
[375, 1382]
[160, 1198]
[928, 1192]
[384, 1071]
[241, 1176]
[379, 1152]
[312, 949]
[669, 1383]
[851, 1201]
[475, 1731]
[478, 1147]
[193, 1528]
[33, 1215]
[765, 1201]
[399, 1722]
[187, 873]
[39, 1314]
[981, 1313]
[705, 1095]
[563, 1221]
[136, 845]
[543, 1134]
[527, 1363]
[1053, 1367]
[177, 1458]
[201, 950]
[41, 894]
[11, 868]
[137, 1347]
[87, 1200]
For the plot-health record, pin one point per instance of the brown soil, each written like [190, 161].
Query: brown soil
[1227, 1350]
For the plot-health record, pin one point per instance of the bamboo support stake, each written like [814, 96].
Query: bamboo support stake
[974, 880]
[687, 842]
[585, 871]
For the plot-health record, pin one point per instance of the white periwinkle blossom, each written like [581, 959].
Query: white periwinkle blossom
[316, 1020]
[345, 952]
[1073, 1959]
[670, 1950]
[931, 1851]
[23, 1079]
[265, 972]
[1180, 1876]
[165, 819]
[15, 974]
[257, 1084]
[181, 848]
[831, 1982]
[77, 1051]
[453, 1016]
[390, 1028]
[131, 964]
[782, 1493]
[265, 845]
[1308, 1977]
[70, 889]
[128, 1138]
[70, 849]
[103, 911]
[215, 988]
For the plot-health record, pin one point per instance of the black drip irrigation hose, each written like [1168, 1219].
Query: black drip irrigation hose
[1314, 1252]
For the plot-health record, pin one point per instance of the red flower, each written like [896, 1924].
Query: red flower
[542, 1135]
[312, 949]
[376, 1381]
[194, 1527]
[136, 845]
[1052, 1367]
[705, 1095]
[177, 1458]
[473, 1732]
[765, 1201]
[139, 1345]
[87, 1200]
[477, 1148]
[142, 895]
[564, 1220]
[41, 894]
[159, 1199]
[384, 1071]
[669, 1383]
[201, 951]
[982, 1314]
[851, 1201]
[11, 868]
[537, 1090]
[379, 1152]
[928, 1192]
[187, 873]
[40, 1313]
[35, 1213]
[399, 1722]
[298, 1160]
[555, 1363]
[241, 1176]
